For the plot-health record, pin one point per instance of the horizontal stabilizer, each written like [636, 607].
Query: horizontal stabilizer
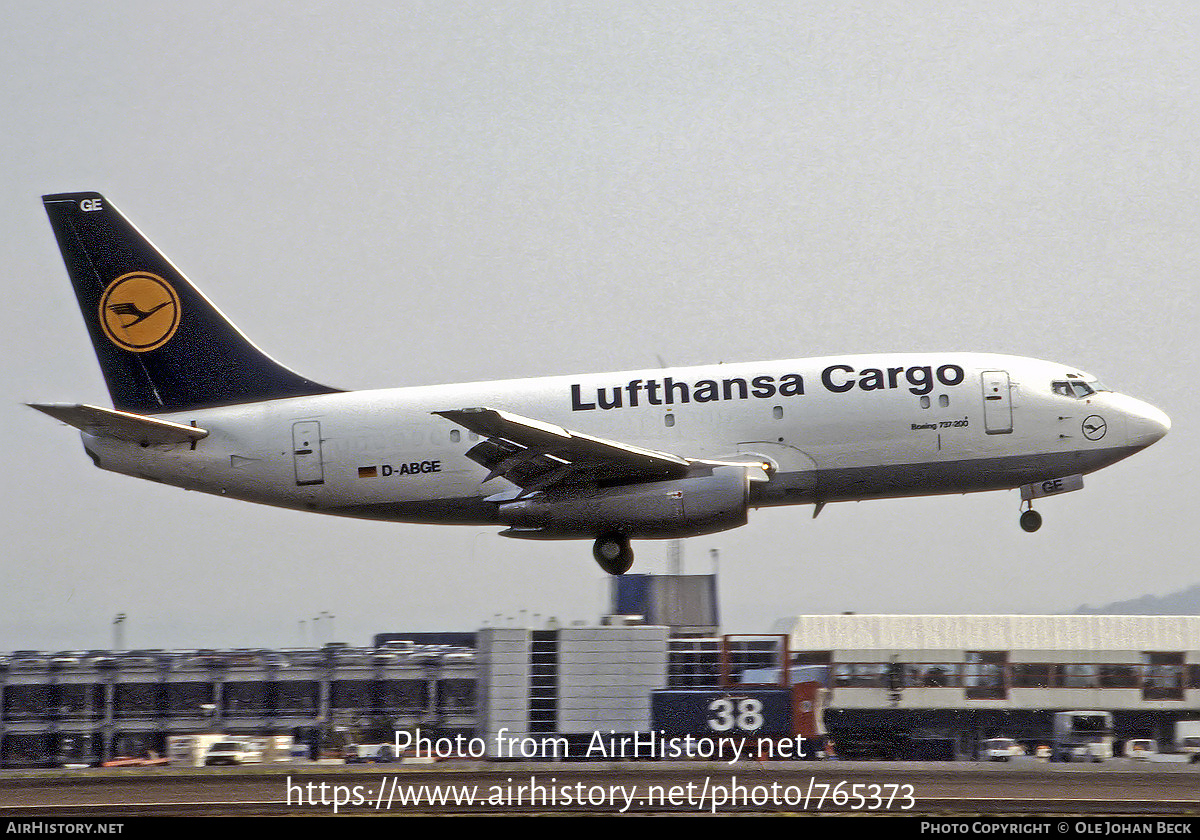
[104, 422]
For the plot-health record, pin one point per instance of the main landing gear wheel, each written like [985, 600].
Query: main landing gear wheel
[613, 553]
[1031, 520]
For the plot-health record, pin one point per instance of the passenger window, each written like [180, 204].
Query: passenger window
[943, 400]
[778, 412]
[669, 419]
[924, 402]
[454, 435]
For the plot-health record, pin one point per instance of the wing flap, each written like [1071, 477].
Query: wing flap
[535, 456]
[121, 425]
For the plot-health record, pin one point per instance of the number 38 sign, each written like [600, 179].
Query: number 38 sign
[741, 714]
[757, 712]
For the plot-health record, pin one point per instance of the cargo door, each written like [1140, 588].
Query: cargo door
[997, 403]
[306, 450]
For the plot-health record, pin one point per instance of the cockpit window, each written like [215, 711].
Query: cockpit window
[1072, 388]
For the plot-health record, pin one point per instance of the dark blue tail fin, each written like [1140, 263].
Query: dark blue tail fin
[161, 344]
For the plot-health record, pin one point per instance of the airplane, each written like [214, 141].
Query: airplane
[610, 457]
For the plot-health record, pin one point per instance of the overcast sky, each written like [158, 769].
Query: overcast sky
[387, 194]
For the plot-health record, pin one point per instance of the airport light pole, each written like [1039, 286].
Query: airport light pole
[118, 635]
[328, 616]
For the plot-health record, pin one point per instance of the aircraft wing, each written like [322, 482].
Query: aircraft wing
[535, 456]
[121, 425]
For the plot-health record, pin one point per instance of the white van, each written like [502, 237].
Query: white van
[1082, 736]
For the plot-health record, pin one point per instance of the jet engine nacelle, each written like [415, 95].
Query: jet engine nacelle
[702, 504]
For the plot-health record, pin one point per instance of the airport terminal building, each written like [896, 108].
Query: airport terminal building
[976, 676]
[885, 685]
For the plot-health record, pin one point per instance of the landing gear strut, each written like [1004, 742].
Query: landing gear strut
[613, 553]
[1031, 520]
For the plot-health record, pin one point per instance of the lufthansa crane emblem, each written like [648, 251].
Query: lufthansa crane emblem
[1094, 427]
[139, 311]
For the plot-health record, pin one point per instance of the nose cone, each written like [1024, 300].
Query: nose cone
[1146, 424]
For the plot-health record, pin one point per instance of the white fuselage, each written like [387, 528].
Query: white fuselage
[832, 429]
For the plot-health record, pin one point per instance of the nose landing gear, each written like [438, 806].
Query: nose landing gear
[613, 553]
[1031, 520]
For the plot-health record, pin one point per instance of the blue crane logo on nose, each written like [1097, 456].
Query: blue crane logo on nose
[1094, 427]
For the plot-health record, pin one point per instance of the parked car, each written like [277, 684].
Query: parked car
[134, 761]
[999, 749]
[298, 752]
[1190, 746]
[1141, 748]
[231, 753]
[369, 754]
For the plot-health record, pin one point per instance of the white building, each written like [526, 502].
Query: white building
[974, 675]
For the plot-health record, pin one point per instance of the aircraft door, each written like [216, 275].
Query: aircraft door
[997, 403]
[306, 450]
